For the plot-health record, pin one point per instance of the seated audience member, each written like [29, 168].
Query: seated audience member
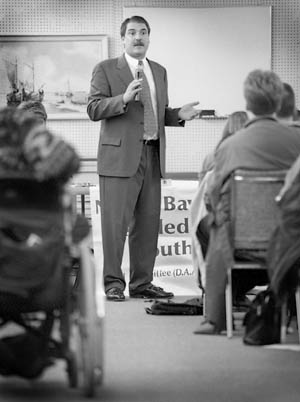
[235, 121]
[284, 250]
[46, 142]
[263, 144]
[198, 211]
[284, 247]
[28, 148]
[288, 114]
[35, 107]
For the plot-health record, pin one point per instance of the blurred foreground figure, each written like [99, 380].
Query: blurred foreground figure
[36, 108]
[29, 148]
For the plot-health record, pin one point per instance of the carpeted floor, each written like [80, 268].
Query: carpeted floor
[159, 359]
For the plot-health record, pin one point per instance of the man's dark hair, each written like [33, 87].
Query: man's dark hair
[263, 92]
[288, 103]
[134, 18]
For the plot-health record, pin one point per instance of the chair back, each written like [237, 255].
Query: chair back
[254, 212]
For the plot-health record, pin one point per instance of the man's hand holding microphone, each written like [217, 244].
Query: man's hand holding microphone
[134, 88]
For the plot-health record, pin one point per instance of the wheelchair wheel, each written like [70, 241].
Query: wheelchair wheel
[90, 332]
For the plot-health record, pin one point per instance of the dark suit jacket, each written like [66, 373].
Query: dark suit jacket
[122, 129]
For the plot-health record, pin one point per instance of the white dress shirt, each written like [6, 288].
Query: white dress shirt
[132, 62]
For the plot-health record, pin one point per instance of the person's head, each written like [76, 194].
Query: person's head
[135, 33]
[263, 92]
[15, 124]
[235, 121]
[287, 109]
[36, 108]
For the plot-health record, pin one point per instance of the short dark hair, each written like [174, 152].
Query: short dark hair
[134, 18]
[288, 102]
[263, 92]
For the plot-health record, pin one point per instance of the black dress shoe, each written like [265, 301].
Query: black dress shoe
[152, 292]
[115, 294]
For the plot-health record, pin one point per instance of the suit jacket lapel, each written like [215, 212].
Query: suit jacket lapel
[124, 70]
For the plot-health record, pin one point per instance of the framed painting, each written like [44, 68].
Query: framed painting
[55, 69]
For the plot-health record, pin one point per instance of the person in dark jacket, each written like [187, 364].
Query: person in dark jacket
[284, 249]
[263, 144]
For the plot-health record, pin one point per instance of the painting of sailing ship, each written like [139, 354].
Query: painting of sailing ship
[53, 69]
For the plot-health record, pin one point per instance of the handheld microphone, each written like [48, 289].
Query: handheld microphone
[138, 75]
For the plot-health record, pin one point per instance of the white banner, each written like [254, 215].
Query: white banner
[173, 267]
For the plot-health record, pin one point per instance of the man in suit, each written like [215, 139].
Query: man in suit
[131, 158]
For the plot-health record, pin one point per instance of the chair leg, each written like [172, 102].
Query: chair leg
[204, 304]
[297, 295]
[283, 327]
[228, 300]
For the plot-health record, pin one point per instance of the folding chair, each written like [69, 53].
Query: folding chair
[254, 214]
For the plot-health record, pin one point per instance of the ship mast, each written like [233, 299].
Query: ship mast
[31, 66]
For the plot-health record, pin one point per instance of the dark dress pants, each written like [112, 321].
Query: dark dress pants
[131, 205]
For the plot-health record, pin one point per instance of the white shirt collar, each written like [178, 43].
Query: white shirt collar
[132, 61]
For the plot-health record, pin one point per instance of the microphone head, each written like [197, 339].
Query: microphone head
[139, 75]
[139, 70]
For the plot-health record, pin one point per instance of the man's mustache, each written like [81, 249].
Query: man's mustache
[138, 44]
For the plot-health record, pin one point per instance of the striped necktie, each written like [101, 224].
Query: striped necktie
[150, 122]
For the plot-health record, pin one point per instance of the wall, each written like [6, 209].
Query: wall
[218, 49]
[188, 146]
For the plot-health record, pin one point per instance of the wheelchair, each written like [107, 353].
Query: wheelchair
[48, 286]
